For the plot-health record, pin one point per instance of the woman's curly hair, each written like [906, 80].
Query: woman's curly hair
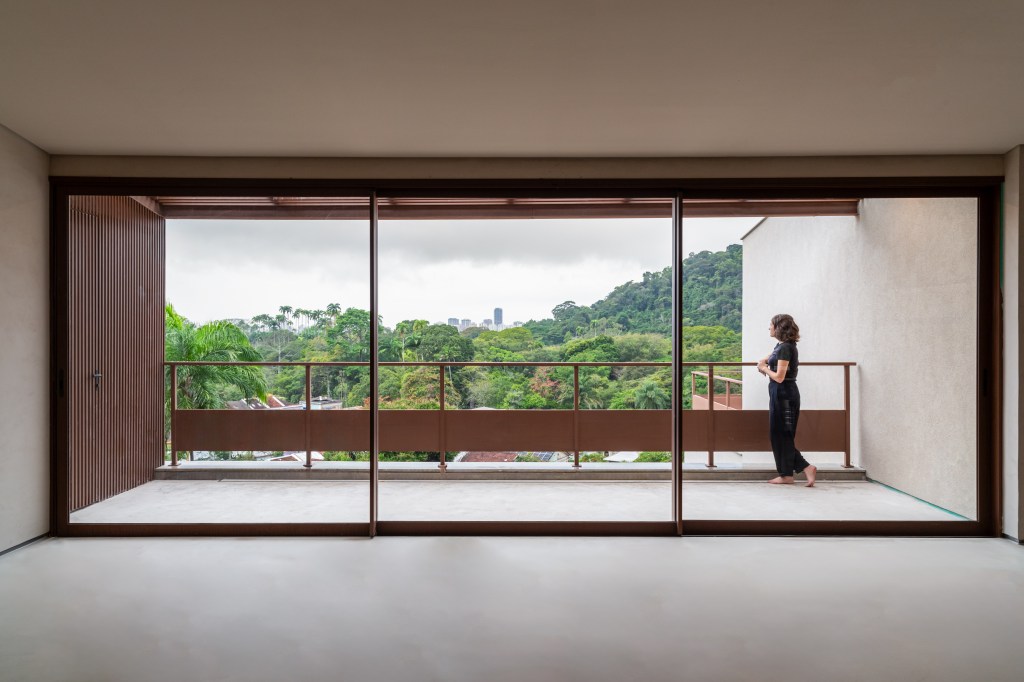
[786, 330]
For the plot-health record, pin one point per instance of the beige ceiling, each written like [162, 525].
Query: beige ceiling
[514, 78]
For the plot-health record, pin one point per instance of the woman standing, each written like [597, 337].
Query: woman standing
[781, 368]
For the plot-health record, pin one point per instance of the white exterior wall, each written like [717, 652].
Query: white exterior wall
[894, 290]
[24, 338]
[827, 338]
[1013, 515]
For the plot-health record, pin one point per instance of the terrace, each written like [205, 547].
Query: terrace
[723, 470]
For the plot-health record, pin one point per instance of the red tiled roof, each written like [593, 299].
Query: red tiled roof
[489, 457]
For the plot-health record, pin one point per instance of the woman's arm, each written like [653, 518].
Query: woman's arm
[761, 364]
[778, 375]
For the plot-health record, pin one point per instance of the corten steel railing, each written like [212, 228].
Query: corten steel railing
[729, 401]
[442, 429]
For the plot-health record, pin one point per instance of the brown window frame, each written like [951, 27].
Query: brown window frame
[986, 189]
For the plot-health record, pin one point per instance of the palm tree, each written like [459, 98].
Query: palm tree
[334, 309]
[402, 330]
[219, 341]
[285, 310]
[418, 326]
[650, 396]
[262, 322]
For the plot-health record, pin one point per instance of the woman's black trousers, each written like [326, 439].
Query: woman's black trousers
[783, 414]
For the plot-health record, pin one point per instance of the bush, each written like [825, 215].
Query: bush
[527, 458]
[654, 457]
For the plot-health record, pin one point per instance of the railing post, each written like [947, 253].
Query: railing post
[711, 416]
[728, 395]
[309, 416]
[576, 416]
[442, 440]
[846, 409]
[174, 409]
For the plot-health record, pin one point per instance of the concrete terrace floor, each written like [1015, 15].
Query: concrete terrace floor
[283, 501]
[512, 609]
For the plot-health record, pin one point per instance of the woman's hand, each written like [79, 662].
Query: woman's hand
[762, 366]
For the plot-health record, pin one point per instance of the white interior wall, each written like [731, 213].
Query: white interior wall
[24, 338]
[895, 291]
[1013, 515]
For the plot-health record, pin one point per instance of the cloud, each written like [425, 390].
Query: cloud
[428, 269]
[525, 241]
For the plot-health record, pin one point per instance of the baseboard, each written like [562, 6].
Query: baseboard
[24, 544]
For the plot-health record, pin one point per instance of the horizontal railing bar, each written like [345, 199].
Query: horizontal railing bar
[363, 363]
[719, 377]
[202, 363]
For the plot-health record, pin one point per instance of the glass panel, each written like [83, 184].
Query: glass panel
[532, 312]
[887, 284]
[273, 282]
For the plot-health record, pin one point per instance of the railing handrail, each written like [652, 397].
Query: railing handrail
[441, 363]
[718, 377]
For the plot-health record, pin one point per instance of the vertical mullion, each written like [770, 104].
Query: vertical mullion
[374, 368]
[160, 280]
[677, 359]
[74, 288]
[60, 319]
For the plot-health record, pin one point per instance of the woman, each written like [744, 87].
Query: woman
[784, 400]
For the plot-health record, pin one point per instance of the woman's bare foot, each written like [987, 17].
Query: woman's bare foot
[782, 479]
[812, 475]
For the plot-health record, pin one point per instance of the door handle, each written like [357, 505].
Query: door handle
[96, 376]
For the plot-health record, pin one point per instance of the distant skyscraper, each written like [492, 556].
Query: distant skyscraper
[465, 324]
[497, 317]
[453, 321]
[488, 323]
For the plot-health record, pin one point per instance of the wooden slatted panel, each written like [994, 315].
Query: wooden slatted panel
[116, 327]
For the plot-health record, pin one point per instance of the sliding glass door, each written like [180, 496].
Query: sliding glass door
[525, 360]
[866, 310]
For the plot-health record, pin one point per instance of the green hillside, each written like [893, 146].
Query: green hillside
[712, 296]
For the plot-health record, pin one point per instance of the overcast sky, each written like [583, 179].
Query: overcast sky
[429, 269]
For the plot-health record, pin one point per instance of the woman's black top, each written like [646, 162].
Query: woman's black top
[785, 351]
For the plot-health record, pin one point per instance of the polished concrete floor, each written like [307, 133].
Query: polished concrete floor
[253, 501]
[512, 609]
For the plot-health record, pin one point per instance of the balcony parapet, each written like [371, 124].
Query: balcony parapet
[717, 428]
